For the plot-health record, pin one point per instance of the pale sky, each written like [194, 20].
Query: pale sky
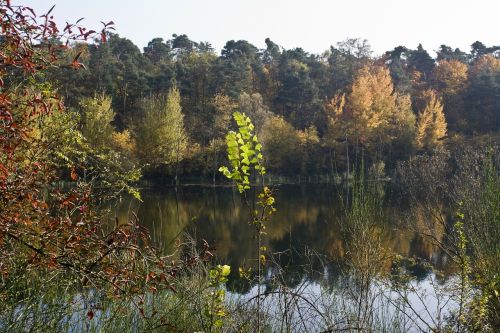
[313, 25]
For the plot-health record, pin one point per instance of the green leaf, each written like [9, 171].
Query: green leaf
[225, 270]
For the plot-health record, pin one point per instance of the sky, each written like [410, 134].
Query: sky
[313, 25]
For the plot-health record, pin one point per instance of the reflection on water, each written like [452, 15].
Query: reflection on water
[307, 217]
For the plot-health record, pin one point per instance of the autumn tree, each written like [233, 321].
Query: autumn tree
[450, 79]
[224, 107]
[378, 115]
[53, 241]
[160, 135]
[431, 123]
[372, 114]
[402, 130]
[103, 153]
[335, 113]
[280, 141]
[96, 116]
[450, 76]
[371, 102]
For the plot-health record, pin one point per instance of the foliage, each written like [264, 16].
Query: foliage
[253, 106]
[64, 266]
[224, 108]
[478, 198]
[216, 309]
[160, 133]
[451, 80]
[290, 83]
[363, 222]
[280, 141]
[96, 117]
[471, 189]
[371, 114]
[104, 156]
[55, 245]
[243, 152]
[431, 124]
[482, 98]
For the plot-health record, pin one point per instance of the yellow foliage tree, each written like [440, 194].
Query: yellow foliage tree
[335, 127]
[372, 113]
[102, 150]
[487, 64]
[124, 141]
[280, 141]
[96, 118]
[161, 138]
[450, 78]
[371, 102]
[431, 124]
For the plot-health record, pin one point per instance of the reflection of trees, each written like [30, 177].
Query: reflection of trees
[306, 220]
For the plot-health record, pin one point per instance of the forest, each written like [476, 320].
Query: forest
[308, 109]
[399, 153]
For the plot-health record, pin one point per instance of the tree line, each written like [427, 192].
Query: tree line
[172, 102]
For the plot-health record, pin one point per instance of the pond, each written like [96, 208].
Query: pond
[306, 224]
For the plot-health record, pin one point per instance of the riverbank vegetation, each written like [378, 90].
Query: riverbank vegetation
[85, 114]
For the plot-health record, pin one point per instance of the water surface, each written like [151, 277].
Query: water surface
[307, 221]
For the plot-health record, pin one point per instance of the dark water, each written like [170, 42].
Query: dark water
[306, 225]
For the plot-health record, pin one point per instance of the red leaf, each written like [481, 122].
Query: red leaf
[73, 175]
[90, 314]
